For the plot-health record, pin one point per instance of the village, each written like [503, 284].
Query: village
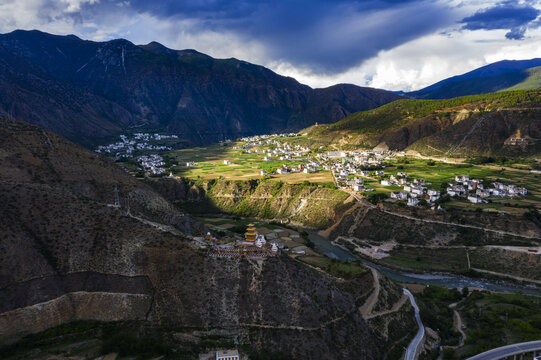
[128, 145]
[351, 168]
[145, 148]
[286, 157]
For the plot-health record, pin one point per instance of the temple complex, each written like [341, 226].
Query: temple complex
[254, 245]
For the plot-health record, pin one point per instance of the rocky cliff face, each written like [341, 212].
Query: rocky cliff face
[309, 205]
[373, 225]
[468, 133]
[88, 91]
[65, 255]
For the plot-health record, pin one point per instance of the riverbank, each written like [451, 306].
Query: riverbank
[440, 279]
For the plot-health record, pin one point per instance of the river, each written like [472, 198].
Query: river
[448, 280]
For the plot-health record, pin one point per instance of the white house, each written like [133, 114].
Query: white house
[456, 190]
[227, 162]
[386, 182]
[227, 354]
[334, 154]
[433, 195]
[399, 195]
[413, 202]
[282, 171]
[462, 178]
[476, 200]
[365, 173]
[432, 192]
[264, 173]
[358, 187]
[482, 193]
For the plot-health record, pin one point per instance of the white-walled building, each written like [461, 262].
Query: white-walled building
[399, 195]
[227, 355]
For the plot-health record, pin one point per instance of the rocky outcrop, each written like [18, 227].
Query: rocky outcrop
[95, 306]
[306, 204]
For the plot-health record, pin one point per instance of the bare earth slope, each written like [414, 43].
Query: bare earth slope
[65, 255]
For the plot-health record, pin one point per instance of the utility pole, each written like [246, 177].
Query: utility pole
[117, 199]
[128, 213]
[187, 229]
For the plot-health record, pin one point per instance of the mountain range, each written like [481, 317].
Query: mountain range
[90, 91]
[498, 76]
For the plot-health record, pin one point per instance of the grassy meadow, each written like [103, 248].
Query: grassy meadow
[210, 164]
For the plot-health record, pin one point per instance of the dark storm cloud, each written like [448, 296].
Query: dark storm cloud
[325, 35]
[507, 15]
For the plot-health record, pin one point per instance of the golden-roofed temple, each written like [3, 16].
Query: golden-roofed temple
[250, 234]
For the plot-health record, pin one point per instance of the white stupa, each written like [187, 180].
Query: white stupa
[260, 240]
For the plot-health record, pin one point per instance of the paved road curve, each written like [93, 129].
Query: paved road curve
[509, 350]
[411, 351]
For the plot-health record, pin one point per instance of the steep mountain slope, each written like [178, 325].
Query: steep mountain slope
[65, 255]
[470, 125]
[532, 81]
[501, 75]
[88, 90]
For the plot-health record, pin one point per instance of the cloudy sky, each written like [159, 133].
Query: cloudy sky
[390, 44]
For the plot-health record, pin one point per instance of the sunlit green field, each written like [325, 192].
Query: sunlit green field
[210, 164]
[441, 173]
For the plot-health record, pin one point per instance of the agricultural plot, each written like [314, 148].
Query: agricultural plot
[439, 174]
[209, 163]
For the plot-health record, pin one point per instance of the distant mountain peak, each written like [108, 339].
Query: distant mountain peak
[88, 90]
[489, 78]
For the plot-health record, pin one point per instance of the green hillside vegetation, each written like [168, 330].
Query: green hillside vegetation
[517, 80]
[491, 320]
[475, 125]
[400, 112]
[532, 81]
[495, 320]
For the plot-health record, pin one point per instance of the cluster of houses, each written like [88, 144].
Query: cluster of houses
[282, 151]
[138, 141]
[279, 150]
[258, 139]
[472, 189]
[476, 192]
[307, 168]
[152, 163]
[356, 163]
[414, 191]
